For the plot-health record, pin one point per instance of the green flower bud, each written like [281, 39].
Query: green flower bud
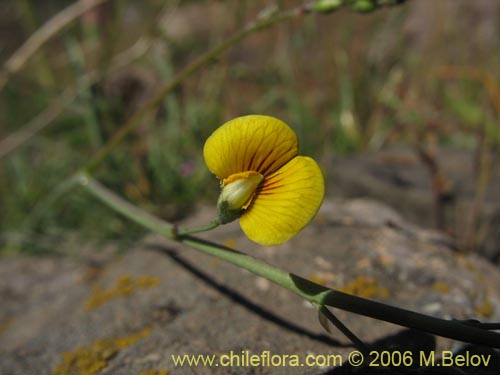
[327, 6]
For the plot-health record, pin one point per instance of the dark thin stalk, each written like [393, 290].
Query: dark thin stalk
[452, 329]
[346, 331]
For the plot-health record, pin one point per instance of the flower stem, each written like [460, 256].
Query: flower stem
[312, 292]
[125, 208]
[260, 23]
[202, 228]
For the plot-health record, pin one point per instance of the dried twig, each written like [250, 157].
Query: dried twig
[440, 184]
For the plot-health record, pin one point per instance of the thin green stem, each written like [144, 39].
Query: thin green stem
[203, 60]
[202, 228]
[261, 22]
[251, 264]
[125, 208]
[314, 293]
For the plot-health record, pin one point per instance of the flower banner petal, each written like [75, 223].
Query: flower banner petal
[286, 203]
[250, 143]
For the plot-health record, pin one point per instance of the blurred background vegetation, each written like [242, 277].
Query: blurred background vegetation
[424, 73]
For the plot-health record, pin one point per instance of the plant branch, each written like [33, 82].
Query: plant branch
[125, 208]
[260, 23]
[314, 293]
[267, 17]
[203, 228]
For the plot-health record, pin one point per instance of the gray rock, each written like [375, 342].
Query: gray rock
[190, 303]
[398, 178]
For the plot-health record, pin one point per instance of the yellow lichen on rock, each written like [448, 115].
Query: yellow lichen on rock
[441, 287]
[89, 360]
[124, 286]
[485, 309]
[154, 372]
[366, 287]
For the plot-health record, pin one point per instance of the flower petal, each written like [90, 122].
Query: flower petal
[286, 202]
[250, 143]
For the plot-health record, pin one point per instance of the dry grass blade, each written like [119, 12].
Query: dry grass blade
[15, 62]
[45, 118]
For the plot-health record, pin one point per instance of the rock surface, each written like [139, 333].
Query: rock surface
[397, 177]
[127, 313]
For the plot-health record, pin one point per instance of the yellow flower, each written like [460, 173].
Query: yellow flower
[274, 192]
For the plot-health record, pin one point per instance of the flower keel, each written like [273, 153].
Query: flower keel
[237, 193]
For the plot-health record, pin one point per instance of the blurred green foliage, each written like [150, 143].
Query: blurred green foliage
[345, 82]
